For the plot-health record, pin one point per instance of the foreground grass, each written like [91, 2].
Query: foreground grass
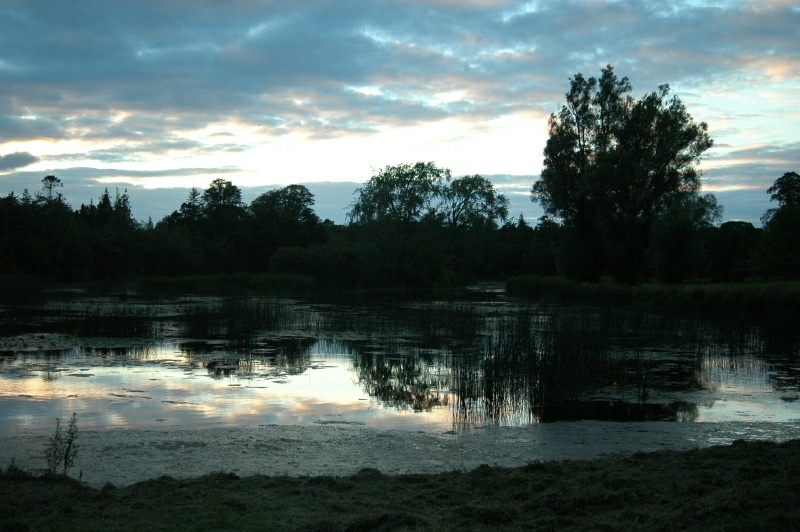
[745, 486]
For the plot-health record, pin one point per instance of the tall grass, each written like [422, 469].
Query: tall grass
[752, 301]
[238, 319]
[242, 284]
[119, 321]
[774, 307]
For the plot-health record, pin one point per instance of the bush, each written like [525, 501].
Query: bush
[62, 448]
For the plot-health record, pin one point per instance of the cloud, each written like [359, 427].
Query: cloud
[142, 86]
[256, 61]
[13, 161]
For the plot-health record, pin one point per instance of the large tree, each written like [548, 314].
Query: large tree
[612, 164]
[471, 201]
[401, 193]
[781, 254]
[285, 217]
[786, 191]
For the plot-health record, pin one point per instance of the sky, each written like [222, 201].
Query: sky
[157, 97]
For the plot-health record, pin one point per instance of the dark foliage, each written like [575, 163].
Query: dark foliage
[450, 236]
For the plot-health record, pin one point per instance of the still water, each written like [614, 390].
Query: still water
[431, 366]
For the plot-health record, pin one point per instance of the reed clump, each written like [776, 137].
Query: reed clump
[62, 449]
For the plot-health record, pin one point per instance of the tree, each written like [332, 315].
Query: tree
[786, 191]
[123, 213]
[192, 209]
[290, 204]
[732, 251]
[781, 254]
[189, 216]
[49, 184]
[612, 164]
[223, 210]
[677, 244]
[221, 193]
[284, 217]
[471, 201]
[402, 193]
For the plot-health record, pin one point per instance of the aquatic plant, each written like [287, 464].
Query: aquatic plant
[62, 448]
[118, 321]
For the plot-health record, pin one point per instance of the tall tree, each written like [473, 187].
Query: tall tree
[49, 185]
[612, 164]
[222, 193]
[402, 193]
[471, 201]
[781, 254]
[786, 191]
[285, 217]
[677, 248]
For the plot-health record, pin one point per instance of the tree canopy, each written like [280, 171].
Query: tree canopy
[401, 193]
[786, 191]
[411, 193]
[613, 164]
[471, 201]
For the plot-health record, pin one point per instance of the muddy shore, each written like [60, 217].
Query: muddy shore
[126, 456]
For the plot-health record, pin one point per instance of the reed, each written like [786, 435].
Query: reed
[119, 321]
[238, 319]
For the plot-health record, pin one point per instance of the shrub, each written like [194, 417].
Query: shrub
[62, 448]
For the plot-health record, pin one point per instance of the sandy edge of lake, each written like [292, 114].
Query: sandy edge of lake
[127, 456]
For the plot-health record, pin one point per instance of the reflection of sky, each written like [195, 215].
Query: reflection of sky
[750, 409]
[742, 374]
[745, 391]
[168, 389]
[164, 385]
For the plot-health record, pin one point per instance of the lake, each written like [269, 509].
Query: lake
[481, 359]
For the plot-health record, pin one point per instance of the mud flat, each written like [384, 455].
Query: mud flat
[126, 456]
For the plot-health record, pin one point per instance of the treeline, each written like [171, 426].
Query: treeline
[435, 229]
[410, 226]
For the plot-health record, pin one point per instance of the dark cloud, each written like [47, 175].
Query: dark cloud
[82, 177]
[203, 61]
[13, 161]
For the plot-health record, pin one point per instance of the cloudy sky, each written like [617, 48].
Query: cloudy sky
[160, 96]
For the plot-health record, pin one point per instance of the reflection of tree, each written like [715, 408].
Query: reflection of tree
[402, 382]
[508, 370]
[545, 367]
[276, 357]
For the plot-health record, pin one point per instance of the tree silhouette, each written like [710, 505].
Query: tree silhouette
[612, 164]
[283, 217]
[786, 191]
[781, 254]
[402, 193]
[49, 185]
[471, 201]
[221, 193]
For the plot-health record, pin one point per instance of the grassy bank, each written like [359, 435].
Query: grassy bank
[745, 486]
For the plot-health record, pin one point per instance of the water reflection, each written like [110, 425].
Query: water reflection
[447, 366]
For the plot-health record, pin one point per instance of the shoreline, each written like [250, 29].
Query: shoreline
[127, 456]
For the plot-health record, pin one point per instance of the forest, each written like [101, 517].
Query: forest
[620, 188]
[403, 232]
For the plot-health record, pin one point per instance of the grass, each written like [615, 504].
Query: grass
[230, 285]
[745, 486]
[745, 300]
[774, 306]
